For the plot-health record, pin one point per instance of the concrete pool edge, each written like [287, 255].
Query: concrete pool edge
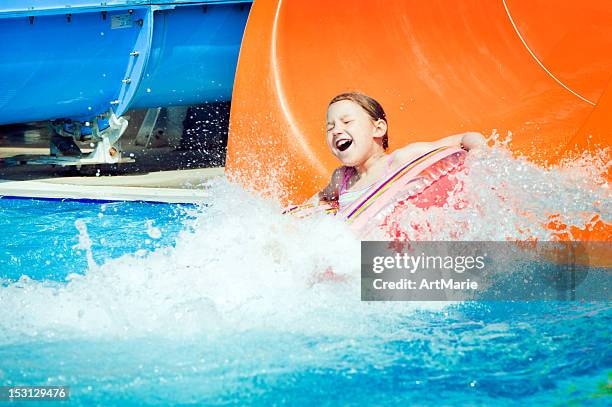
[184, 186]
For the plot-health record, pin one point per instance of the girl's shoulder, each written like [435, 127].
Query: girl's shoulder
[408, 153]
[413, 149]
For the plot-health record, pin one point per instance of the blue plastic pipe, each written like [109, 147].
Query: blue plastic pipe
[76, 59]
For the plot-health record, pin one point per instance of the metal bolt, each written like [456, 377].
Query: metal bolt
[140, 22]
[130, 11]
[134, 53]
[69, 17]
[114, 102]
[126, 80]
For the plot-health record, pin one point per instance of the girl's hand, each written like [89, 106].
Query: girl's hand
[473, 141]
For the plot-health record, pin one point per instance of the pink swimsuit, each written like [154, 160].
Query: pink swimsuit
[346, 197]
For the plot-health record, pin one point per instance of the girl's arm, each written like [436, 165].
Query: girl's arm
[468, 141]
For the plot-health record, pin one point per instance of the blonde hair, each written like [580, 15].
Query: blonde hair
[370, 105]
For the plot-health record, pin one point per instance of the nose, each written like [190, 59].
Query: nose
[337, 130]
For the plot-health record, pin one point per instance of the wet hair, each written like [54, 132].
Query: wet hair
[370, 105]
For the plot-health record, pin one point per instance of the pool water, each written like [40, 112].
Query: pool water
[494, 354]
[135, 303]
[39, 239]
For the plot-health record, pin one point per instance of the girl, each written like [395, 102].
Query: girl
[357, 136]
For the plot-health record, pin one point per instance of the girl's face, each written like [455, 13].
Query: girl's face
[351, 132]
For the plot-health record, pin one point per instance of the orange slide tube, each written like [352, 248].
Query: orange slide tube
[541, 69]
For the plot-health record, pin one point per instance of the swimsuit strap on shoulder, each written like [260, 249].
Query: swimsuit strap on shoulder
[347, 173]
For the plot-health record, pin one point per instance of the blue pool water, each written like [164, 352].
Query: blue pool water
[39, 236]
[135, 303]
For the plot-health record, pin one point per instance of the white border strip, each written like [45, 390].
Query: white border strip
[538, 61]
[37, 189]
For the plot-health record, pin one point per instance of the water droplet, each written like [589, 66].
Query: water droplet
[152, 231]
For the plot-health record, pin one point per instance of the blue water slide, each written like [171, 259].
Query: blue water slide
[78, 59]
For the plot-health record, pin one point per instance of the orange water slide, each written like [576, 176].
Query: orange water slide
[541, 69]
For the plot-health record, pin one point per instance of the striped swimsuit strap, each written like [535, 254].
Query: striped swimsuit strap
[386, 184]
[351, 171]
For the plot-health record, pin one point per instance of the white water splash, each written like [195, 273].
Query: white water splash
[508, 198]
[242, 266]
[85, 243]
[239, 266]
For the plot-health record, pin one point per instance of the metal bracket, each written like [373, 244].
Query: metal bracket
[106, 150]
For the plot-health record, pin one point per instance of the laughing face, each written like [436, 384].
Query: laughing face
[351, 133]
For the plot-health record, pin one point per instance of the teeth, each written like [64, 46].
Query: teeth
[343, 144]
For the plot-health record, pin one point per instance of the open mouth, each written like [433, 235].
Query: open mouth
[343, 144]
